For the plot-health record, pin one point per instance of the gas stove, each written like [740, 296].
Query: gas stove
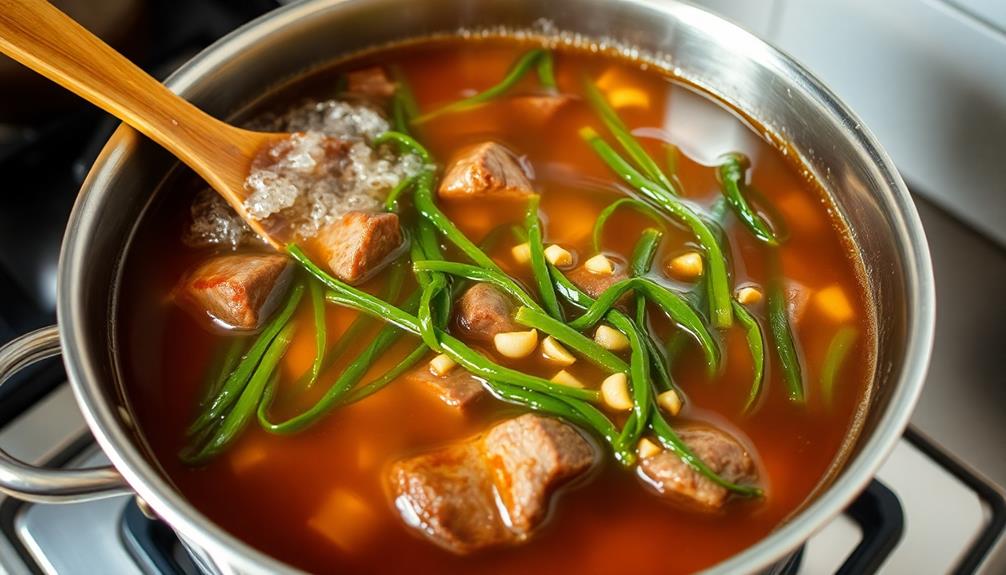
[935, 506]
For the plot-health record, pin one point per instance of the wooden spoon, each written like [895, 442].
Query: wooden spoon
[44, 39]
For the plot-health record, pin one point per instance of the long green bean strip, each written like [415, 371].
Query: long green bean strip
[732, 175]
[387, 377]
[580, 343]
[475, 273]
[602, 218]
[672, 442]
[539, 267]
[238, 379]
[546, 71]
[782, 333]
[391, 203]
[838, 349]
[640, 262]
[403, 103]
[468, 358]
[622, 135]
[675, 306]
[756, 345]
[639, 378]
[320, 330]
[721, 309]
[517, 71]
[224, 363]
[251, 395]
[423, 200]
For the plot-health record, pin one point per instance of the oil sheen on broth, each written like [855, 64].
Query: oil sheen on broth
[319, 500]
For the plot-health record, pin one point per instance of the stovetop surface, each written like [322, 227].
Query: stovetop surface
[44, 164]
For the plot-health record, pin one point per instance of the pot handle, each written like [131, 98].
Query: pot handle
[38, 484]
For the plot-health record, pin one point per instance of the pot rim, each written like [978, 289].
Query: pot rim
[147, 481]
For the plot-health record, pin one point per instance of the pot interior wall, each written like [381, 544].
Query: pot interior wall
[706, 51]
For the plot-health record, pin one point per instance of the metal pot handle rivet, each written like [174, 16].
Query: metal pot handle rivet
[39, 484]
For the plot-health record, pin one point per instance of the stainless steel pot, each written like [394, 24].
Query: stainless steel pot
[705, 49]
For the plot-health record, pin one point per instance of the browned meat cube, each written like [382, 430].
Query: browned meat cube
[485, 170]
[529, 457]
[458, 388]
[484, 311]
[372, 82]
[358, 244]
[676, 481]
[448, 496]
[594, 284]
[451, 494]
[538, 110]
[239, 290]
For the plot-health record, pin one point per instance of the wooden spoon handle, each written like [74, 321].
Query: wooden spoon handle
[44, 39]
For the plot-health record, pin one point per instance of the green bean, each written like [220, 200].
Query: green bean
[333, 397]
[675, 306]
[587, 347]
[672, 153]
[471, 360]
[639, 378]
[640, 263]
[387, 377]
[423, 200]
[722, 312]
[403, 104]
[756, 345]
[546, 72]
[621, 133]
[238, 379]
[517, 71]
[320, 330]
[474, 273]
[244, 408]
[224, 363]
[732, 175]
[781, 331]
[391, 203]
[539, 267]
[602, 218]
[838, 349]
[672, 442]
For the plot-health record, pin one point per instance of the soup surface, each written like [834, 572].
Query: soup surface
[320, 499]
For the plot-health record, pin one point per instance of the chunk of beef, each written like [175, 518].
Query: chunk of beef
[484, 311]
[451, 494]
[485, 170]
[358, 244]
[458, 388]
[372, 82]
[239, 290]
[594, 284]
[538, 110]
[676, 481]
[529, 457]
[448, 496]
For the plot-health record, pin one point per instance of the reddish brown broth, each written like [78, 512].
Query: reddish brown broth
[317, 499]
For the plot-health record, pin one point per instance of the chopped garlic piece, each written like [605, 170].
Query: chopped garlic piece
[647, 448]
[558, 256]
[441, 365]
[749, 295]
[521, 253]
[687, 266]
[670, 402]
[610, 338]
[599, 265]
[834, 303]
[615, 392]
[556, 353]
[564, 377]
[516, 344]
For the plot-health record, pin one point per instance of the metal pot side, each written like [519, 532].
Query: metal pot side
[708, 51]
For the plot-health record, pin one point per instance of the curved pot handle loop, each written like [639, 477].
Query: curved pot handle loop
[39, 484]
